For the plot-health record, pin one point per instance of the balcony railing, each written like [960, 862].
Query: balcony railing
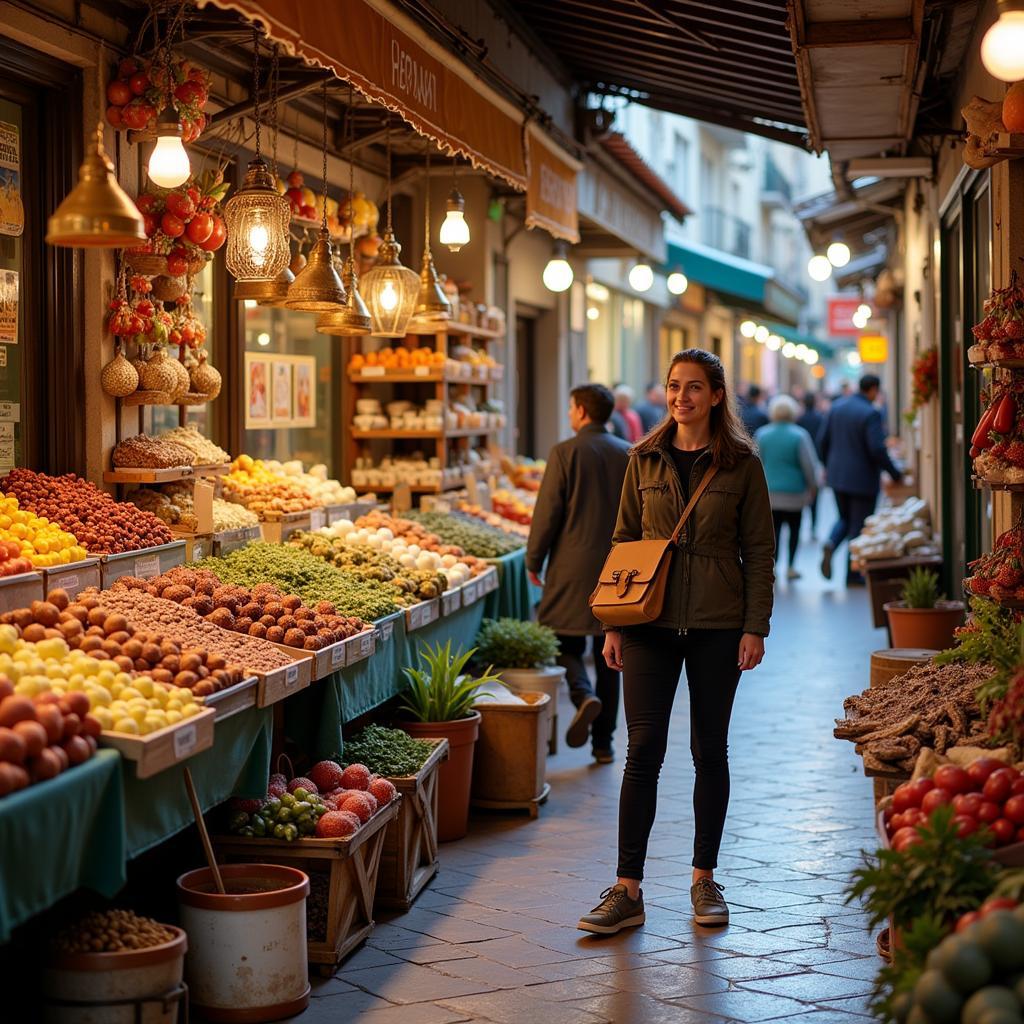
[721, 230]
[775, 188]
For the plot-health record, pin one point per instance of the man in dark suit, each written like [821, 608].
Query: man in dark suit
[752, 411]
[572, 529]
[852, 446]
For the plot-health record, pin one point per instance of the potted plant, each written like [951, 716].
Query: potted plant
[923, 618]
[439, 703]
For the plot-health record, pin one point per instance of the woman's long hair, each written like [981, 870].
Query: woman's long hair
[730, 441]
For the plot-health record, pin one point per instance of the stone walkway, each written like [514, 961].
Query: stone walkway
[494, 937]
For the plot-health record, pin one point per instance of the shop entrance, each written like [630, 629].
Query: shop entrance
[526, 364]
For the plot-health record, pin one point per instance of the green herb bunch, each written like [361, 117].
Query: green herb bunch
[921, 589]
[474, 537]
[441, 691]
[388, 752]
[513, 643]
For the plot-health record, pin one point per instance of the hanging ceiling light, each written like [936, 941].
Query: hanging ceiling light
[774, 343]
[97, 213]
[168, 164]
[789, 350]
[860, 319]
[748, 328]
[801, 350]
[677, 283]
[761, 334]
[812, 357]
[455, 230]
[432, 305]
[819, 267]
[354, 318]
[641, 277]
[1002, 48]
[838, 254]
[558, 273]
[257, 217]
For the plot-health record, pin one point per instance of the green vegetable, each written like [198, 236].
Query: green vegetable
[513, 643]
[921, 589]
[387, 752]
[475, 538]
[441, 691]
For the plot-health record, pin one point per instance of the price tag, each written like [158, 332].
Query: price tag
[148, 567]
[366, 645]
[387, 630]
[373, 371]
[451, 602]
[416, 616]
[10, 411]
[317, 519]
[65, 583]
[291, 676]
[469, 592]
[185, 740]
[422, 371]
[338, 655]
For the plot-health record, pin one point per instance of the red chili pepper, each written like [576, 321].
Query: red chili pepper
[1006, 415]
[980, 438]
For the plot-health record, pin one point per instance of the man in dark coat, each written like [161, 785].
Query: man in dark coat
[752, 411]
[852, 446]
[572, 529]
[652, 409]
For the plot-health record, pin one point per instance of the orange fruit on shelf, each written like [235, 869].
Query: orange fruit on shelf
[1013, 109]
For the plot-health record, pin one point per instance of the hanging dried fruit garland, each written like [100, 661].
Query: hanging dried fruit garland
[138, 90]
[1000, 334]
[924, 380]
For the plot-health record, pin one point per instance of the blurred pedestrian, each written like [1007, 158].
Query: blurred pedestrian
[791, 467]
[852, 444]
[624, 419]
[752, 410]
[811, 420]
[572, 531]
[652, 409]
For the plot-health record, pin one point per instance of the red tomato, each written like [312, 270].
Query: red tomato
[119, 93]
[966, 920]
[171, 225]
[1014, 809]
[200, 227]
[953, 778]
[1004, 830]
[935, 798]
[914, 817]
[968, 803]
[1017, 786]
[150, 224]
[191, 92]
[905, 797]
[295, 197]
[997, 903]
[981, 769]
[146, 202]
[139, 82]
[988, 812]
[904, 838]
[135, 115]
[177, 264]
[888, 813]
[893, 825]
[114, 117]
[181, 205]
[965, 825]
[997, 787]
[217, 237]
[194, 194]
[308, 212]
[295, 179]
[922, 786]
[127, 68]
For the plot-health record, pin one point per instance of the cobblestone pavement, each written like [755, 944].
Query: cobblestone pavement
[494, 936]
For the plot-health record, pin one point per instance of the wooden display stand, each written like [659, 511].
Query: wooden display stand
[409, 860]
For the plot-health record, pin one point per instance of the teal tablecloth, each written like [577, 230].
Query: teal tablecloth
[59, 835]
[238, 764]
[516, 595]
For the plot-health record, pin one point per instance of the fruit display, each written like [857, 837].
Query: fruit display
[298, 572]
[398, 359]
[411, 583]
[405, 532]
[401, 555]
[145, 452]
[40, 735]
[186, 628]
[524, 473]
[324, 489]
[999, 574]
[261, 489]
[932, 706]
[894, 532]
[205, 451]
[101, 525]
[389, 752]
[997, 445]
[494, 518]
[110, 931]
[139, 89]
[29, 541]
[476, 539]
[352, 213]
[1000, 334]
[515, 504]
[174, 503]
[289, 812]
[262, 612]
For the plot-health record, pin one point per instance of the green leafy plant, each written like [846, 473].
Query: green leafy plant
[441, 691]
[513, 643]
[921, 589]
[389, 752]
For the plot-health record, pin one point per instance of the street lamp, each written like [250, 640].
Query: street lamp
[641, 277]
[819, 267]
[761, 334]
[838, 254]
[677, 283]
[558, 275]
[748, 328]
[789, 350]
[774, 343]
[1002, 48]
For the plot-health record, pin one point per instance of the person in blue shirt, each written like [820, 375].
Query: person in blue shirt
[852, 445]
[791, 467]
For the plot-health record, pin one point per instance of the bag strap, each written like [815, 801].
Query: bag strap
[691, 504]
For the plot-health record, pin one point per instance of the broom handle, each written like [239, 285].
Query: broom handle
[203, 834]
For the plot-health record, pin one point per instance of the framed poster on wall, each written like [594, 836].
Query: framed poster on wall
[281, 413]
[257, 391]
[303, 391]
[280, 391]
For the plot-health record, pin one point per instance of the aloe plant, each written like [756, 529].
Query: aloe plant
[439, 690]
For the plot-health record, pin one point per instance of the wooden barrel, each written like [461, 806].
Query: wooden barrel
[894, 661]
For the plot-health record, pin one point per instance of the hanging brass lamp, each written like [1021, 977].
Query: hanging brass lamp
[432, 305]
[354, 319]
[97, 213]
[273, 293]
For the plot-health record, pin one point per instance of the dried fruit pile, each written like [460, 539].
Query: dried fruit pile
[474, 538]
[26, 540]
[997, 445]
[205, 451]
[999, 574]
[929, 706]
[102, 525]
[111, 931]
[1000, 335]
[252, 484]
[145, 452]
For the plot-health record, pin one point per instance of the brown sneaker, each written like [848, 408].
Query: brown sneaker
[615, 912]
[708, 905]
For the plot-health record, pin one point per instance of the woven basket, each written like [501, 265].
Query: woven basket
[148, 264]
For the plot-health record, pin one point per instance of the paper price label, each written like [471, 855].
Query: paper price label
[366, 645]
[10, 411]
[338, 655]
[373, 371]
[416, 616]
[469, 593]
[148, 567]
[422, 371]
[185, 740]
[291, 676]
[387, 630]
[65, 583]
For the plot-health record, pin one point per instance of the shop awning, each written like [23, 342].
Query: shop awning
[823, 348]
[620, 147]
[551, 195]
[743, 282]
[394, 63]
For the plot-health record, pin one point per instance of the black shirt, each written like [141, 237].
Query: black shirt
[684, 462]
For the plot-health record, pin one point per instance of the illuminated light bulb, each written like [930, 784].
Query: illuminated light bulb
[168, 164]
[748, 328]
[801, 351]
[789, 350]
[641, 277]
[677, 283]
[593, 312]
[811, 358]
[259, 239]
[761, 334]
[865, 309]
[860, 320]
[819, 268]
[774, 343]
[388, 296]
[263, 339]
[455, 230]
[1002, 48]
[853, 359]
[558, 275]
[838, 254]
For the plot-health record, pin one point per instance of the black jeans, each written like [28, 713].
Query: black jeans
[785, 517]
[607, 690]
[853, 510]
[653, 659]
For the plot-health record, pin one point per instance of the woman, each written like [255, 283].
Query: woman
[791, 466]
[715, 617]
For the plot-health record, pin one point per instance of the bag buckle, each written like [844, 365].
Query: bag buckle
[623, 581]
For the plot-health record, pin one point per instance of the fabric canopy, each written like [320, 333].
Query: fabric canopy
[551, 197]
[403, 70]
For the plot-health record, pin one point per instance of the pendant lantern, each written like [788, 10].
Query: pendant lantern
[432, 305]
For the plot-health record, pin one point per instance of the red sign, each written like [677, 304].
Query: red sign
[840, 314]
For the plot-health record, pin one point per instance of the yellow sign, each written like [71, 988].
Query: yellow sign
[873, 348]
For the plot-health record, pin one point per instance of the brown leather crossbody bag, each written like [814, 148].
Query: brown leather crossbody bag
[631, 588]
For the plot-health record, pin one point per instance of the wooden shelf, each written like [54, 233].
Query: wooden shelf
[981, 483]
[1007, 146]
[425, 435]
[466, 330]
[147, 476]
[421, 488]
[472, 432]
[434, 377]
[1000, 364]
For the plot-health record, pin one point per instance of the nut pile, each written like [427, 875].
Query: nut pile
[929, 706]
[262, 612]
[100, 524]
[186, 627]
[145, 452]
[206, 452]
[111, 931]
[410, 532]
[261, 489]
[166, 509]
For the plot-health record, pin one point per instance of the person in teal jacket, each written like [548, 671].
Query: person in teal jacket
[792, 469]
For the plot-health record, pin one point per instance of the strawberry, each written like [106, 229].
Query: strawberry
[1009, 574]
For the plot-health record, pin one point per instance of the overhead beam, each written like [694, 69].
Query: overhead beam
[859, 33]
[287, 91]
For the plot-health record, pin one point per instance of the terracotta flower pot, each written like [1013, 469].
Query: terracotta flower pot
[455, 776]
[924, 627]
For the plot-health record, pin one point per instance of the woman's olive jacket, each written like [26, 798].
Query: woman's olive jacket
[723, 573]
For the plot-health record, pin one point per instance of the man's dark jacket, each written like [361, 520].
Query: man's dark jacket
[852, 446]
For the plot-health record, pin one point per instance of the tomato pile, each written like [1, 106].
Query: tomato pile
[183, 223]
[139, 91]
[986, 795]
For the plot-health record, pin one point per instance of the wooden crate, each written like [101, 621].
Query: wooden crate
[158, 750]
[234, 699]
[144, 562]
[347, 868]
[283, 682]
[409, 860]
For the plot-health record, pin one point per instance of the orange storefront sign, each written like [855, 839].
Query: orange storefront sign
[431, 90]
[551, 190]
[873, 348]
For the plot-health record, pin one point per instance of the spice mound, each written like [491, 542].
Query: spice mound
[111, 931]
[145, 452]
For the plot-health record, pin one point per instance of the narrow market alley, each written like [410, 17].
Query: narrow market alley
[494, 937]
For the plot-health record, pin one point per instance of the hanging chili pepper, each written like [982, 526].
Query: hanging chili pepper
[980, 438]
[1006, 415]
